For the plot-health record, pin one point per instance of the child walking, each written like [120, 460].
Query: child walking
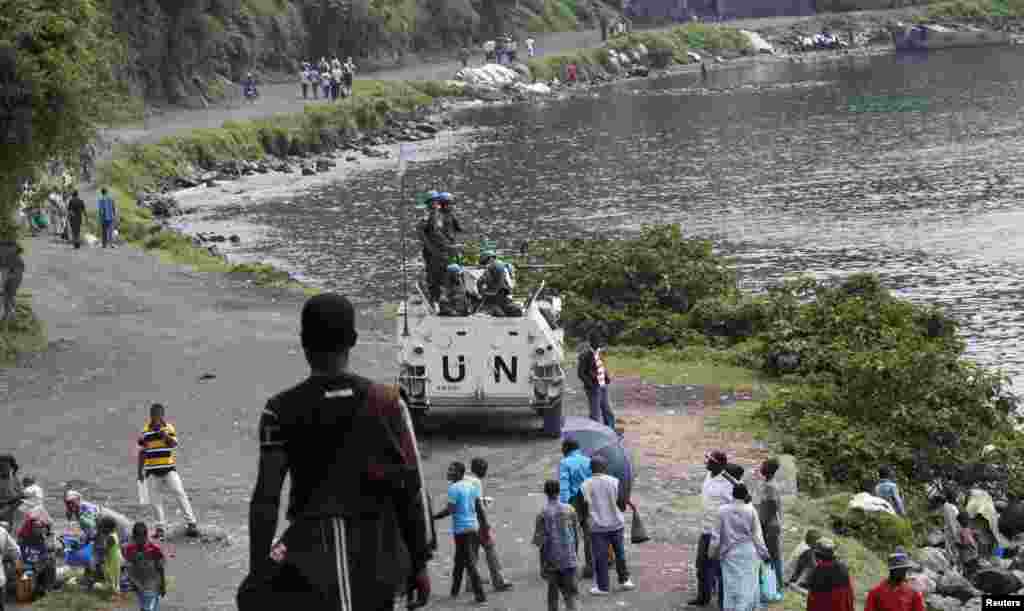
[108, 559]
[145, 561]
[555, 533]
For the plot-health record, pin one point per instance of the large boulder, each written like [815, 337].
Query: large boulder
[955, 586]
[937, 602]
[759, 44]
[934, 559]
[489, 76]
[879, 531]
[997, 582]
[870, 503]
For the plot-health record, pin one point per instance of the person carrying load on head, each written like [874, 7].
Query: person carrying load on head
[496, 285]
[454, 301]
[436, 247]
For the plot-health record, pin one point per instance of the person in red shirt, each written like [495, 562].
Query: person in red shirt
[829, 585]
[895, 594]
[145, 563]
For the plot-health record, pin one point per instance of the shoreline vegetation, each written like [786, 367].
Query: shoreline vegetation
[845, 376]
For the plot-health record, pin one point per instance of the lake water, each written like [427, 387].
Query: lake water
[789, 167]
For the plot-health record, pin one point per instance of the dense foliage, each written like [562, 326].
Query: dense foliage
[878, 531]
[57, 60]
[635, 291]
[869, 379]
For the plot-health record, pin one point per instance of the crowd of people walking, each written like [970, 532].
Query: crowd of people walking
[330, 80]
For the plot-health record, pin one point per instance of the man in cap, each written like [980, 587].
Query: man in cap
[360, 527]
[895, 593]
[592, 372]
[715, 494]
[829, 585]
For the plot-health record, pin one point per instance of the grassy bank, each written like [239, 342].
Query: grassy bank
[23, 334]
[976, 9]
[320, 127]
[664, 48]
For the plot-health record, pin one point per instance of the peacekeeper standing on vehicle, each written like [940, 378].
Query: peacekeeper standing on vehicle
[437, 232]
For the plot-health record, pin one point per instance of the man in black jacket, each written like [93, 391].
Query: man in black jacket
[360, 527]
[76, 212]
[594, 375]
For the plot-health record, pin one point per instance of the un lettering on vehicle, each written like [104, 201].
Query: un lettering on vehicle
[507, 368]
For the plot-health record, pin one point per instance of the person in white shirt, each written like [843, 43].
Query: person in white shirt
[715, 494]
[529, 46]
[607, 526]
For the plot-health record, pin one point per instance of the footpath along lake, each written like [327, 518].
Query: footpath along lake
[906, 166]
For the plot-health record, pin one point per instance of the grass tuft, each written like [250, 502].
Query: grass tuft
[23, 334]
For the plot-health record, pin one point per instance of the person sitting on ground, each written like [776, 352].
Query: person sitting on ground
[830, 586]
[967, 546]
[803, 560]
[894, 593]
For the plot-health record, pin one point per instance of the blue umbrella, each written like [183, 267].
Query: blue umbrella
[597, 440]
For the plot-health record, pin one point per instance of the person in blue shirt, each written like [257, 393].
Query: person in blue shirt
[573, 470]
[107, 217]
[464, 506]
[888, 490]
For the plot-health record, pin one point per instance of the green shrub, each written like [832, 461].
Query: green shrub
[878, 531]
[23, 334]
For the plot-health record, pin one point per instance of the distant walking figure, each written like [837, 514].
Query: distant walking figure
[107, 217]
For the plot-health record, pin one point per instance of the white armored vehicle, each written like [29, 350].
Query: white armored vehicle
[482, 361]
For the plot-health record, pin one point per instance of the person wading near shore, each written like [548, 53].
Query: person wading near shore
[359, 525]
[158, 445]
[476, 475]
[76, 213]
[592, 372]
[715, 494]
[573, 470]
[468, 520]
[607, 527]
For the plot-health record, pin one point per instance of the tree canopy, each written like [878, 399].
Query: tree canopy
[57, 85]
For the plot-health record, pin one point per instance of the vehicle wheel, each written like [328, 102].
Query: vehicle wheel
[553, 420]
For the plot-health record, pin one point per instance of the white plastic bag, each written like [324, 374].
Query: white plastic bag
[143, 492]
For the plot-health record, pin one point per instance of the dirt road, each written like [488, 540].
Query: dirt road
[127, 330]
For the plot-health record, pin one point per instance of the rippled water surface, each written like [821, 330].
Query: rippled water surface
[783, 165]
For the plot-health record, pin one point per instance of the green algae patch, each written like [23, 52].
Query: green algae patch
[878, 104]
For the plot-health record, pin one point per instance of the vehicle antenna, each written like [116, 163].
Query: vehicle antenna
[403, 152]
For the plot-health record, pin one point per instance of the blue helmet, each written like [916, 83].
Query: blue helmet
[454, 268]
[445, 196]
[432, 195]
